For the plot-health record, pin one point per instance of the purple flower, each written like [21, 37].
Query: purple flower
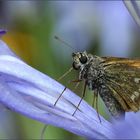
[133, 7]
[33, 94]
[2, 32]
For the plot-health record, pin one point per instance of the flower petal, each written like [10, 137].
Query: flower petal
[33, 94]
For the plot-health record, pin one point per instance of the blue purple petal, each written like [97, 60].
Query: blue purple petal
[33, 94]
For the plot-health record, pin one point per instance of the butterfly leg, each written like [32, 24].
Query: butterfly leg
[97, 109]
[77, 83]
[43, 131]
[94, 99]
[95, 102]
[66, 73]
[65, 90]
[45, 126]
[83, 95]
[60, 96]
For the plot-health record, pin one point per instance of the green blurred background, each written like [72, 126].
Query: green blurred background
[101, 28]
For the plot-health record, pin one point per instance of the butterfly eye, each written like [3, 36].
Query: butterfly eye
[76, 67]
[83, 59]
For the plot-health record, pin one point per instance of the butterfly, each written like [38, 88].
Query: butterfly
[115, 80]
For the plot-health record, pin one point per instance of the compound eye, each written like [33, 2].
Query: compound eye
[75, 66]
[83, 59]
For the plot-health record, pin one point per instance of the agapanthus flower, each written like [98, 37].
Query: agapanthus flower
[133, 7]
[29, 92]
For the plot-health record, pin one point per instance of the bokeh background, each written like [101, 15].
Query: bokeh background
[104, 28]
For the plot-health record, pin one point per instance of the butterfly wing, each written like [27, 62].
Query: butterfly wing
[123, 79]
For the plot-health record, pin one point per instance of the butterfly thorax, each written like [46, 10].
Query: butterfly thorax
[90, 69]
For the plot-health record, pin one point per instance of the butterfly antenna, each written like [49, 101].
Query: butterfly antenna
[61, 77]
[62, 41]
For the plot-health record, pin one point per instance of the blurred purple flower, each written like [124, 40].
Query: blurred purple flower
[133, 7]
[33, 94]
[2, 32]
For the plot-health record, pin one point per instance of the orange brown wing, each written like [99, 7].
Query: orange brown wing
[123, 79]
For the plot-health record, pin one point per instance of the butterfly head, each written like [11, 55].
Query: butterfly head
[80, 59]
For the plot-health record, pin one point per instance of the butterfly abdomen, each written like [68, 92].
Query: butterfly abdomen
[111, 103]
